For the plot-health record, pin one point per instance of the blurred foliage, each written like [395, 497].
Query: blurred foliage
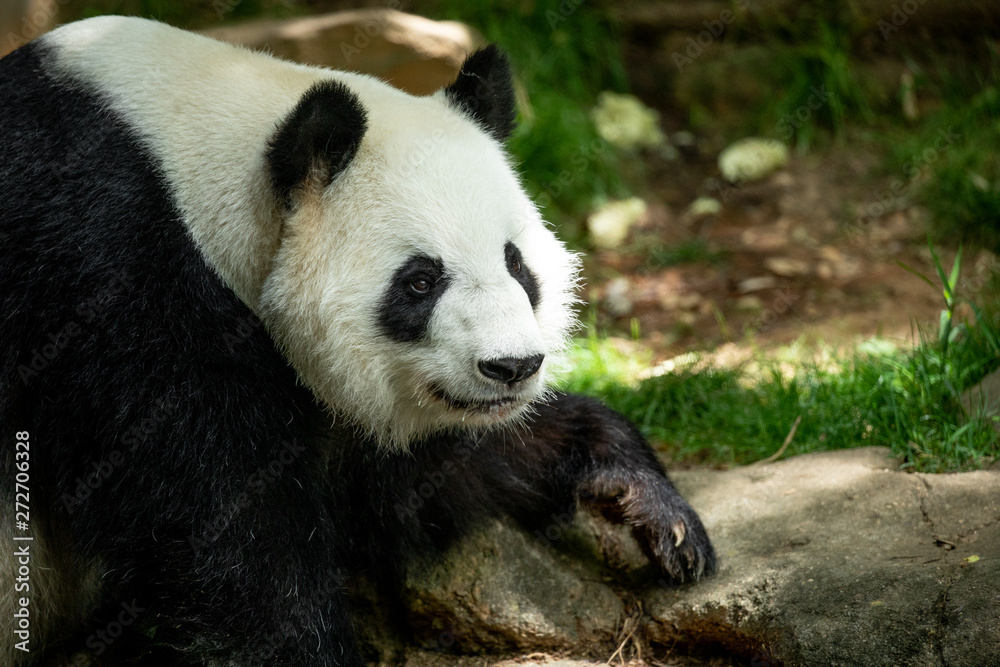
[949, 164]
[794, 79]
[811, 78]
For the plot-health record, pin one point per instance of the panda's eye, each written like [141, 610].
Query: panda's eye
[521, 272]
[420, 285]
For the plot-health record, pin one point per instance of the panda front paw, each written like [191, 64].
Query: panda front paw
[679, 543]
[666, 527]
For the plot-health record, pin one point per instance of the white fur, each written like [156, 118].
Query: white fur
[425, 179]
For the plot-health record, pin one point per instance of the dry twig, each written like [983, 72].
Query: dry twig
[788, 440]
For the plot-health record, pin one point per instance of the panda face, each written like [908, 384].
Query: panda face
[448, 306]
[420, 290]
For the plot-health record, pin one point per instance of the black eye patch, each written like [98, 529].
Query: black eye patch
[521, 273]
[407, 304]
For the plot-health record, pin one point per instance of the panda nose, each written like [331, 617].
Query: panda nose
[511, 369]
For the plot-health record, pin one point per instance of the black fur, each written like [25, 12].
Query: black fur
[521, 273]
[323, 132]
[182, 524]
[405, 308]
[485, 90]
[224, 506]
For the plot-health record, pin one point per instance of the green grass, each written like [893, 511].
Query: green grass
[908, 401]
[820, 90]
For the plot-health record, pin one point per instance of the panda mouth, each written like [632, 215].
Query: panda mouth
[472, 405]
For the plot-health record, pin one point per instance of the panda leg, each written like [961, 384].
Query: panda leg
[241, 568]
[576, 450]
[264, 592]
[283, 589]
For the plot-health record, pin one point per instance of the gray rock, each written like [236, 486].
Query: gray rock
[837, 559]
[828, 559]
[504, 590]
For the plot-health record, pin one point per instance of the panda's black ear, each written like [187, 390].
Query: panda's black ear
[485, 90]
[322, 133]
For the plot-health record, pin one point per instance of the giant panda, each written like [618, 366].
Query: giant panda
[247, 308]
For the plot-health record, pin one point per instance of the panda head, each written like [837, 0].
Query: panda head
[416, 287]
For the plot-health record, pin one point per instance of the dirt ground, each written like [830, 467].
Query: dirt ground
[793, 261]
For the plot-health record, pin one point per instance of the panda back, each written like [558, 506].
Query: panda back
[110, 310]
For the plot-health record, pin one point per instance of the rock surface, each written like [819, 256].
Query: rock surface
[504, 590]
[411, 52]
[827, 559]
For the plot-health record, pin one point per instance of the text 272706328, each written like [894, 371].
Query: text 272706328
[22, 540]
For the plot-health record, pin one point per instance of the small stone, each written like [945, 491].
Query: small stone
[751, 159]
[686, 319]
[756, 284]
[749, 304]
[669, 300]
[689, 301]
[763, 239]
[704, 206]
[624, 121]
[801, 235]
[831, 253]
[787, 267]
[610, 224]
[783, 180]
[617, 297]
[668, 153]
[684, 139]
